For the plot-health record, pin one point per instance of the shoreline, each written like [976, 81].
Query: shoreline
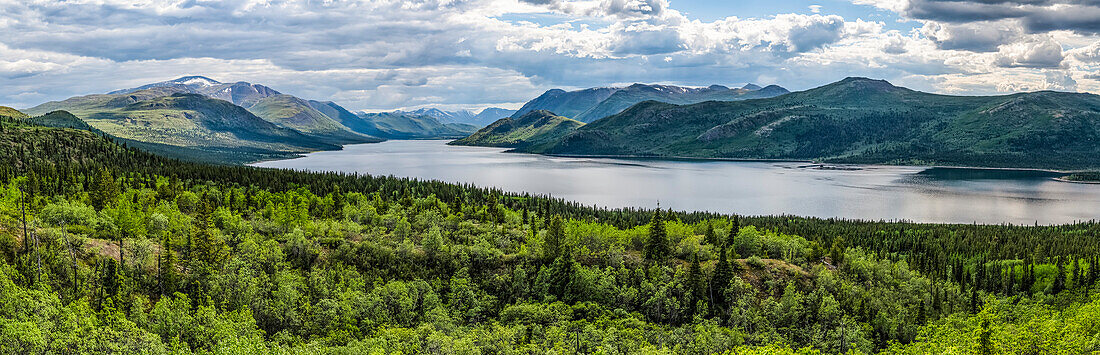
[1062, 179]
[705, 159]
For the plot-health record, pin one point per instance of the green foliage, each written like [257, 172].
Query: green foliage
[532, 129]
[223, 259]
[893, 125]
[657, 244]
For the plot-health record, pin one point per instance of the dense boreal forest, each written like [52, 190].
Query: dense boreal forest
[107, 249]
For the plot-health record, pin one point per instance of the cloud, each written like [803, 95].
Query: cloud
[1060, 81]
[984, 37]
[381, 54]
[1040, 53]
[1035, 16]
[1089, 54]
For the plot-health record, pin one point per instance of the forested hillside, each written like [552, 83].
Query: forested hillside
[106, 249]
[532, 129]
[859, 120]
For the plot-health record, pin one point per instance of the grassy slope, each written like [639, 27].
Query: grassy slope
[402, 126]
[861, 121]
[11, 112]
[294, 113]
[344, 117]
[186, 126]
[532, 129]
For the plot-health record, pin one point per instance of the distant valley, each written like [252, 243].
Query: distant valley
[199, 118]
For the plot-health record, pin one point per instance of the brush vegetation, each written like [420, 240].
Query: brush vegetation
[108, 249]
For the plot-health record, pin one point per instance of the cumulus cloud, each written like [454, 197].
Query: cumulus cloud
[981, 37]
[1040, 53]
[381, 54]
[1060, 81]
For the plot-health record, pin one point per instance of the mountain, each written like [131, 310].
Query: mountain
[187, 83]
[397, 125]
[858, 120]
[533, 129]
[592, 104]
[194, 113]
[281, 109]
[489, 115]
[239, 93]
[343, 116]
[460, 116]
[632, 95]
[174, 121]
[480, 119]
[291, 112]
[566, 103]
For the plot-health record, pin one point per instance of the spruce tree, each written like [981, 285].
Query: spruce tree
[656, 247]
[1060, 279]
[735, 228]
[722, 276]
[709, 236]
[167, 266]
[555, 238]
[695, 279]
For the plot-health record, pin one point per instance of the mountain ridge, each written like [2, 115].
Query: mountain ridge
[534, 128]
[857, 120]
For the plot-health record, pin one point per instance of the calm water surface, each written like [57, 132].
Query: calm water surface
[753, 188]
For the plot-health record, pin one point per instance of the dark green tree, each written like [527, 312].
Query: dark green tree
[709, 236]
[656, 246]
[555, 238]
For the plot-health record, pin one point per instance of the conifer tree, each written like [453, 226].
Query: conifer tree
[656, 247]
[695, 279]
[1059, 279]
[722, 276]
[167, 266]
[735, 228]
[555, 238]
[709, 236]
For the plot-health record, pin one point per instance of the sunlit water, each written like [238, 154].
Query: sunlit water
[751, 188]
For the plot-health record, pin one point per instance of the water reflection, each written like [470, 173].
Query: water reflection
[870, 192]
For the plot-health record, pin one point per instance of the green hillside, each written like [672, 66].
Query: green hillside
[105, 249]
[634, 94]
[392, 125]
[344, 117]
[195, 121]
[170, 121]
[291, 112]
[11, 112]
[859, 120]
[532, 129]
[61, 119]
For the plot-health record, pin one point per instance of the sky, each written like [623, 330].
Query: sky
[375, 55]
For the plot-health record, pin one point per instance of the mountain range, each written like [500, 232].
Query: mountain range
[595, 103]
[480, 119]
[855, 120]
[195, 116]
[399, 125]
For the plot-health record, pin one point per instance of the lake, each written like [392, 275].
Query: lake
[917, 194]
